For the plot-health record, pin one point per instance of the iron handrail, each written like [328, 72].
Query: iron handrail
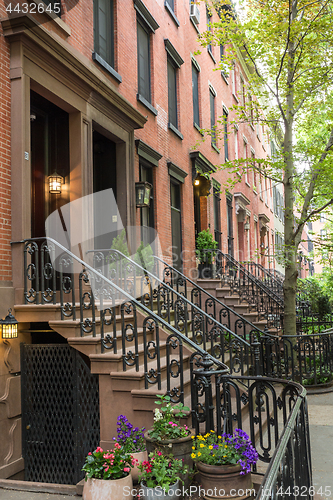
[182, 297]
[269, 482]
[267, 276]
[138, 304]
[252, 278]
[261, 332]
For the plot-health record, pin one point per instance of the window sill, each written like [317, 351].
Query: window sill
[235, 97]
[225, 77]
[195, 25]
[147, 104]
[97, 58]
[255, 191]
[195, 125]
[258, 138]
[175, 131]
[248, 184]
[252, 126]
[211, 55]
[216, 148]
[172, 14]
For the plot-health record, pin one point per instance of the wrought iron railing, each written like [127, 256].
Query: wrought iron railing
[266, 303]
[266, 277]
[272, 412]
[98, 292]
[171, 303]
[276, 421]
[205, 300]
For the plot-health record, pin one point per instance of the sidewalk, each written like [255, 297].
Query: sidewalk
[321, 435]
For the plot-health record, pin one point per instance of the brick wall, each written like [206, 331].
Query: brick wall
[5, 166]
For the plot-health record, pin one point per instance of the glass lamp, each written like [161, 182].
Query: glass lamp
[55, 181]
[9, 326]
[142, 194]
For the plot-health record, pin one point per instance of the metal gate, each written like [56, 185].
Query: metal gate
[60, 413]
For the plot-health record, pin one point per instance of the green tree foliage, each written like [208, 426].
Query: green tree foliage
[287, 47]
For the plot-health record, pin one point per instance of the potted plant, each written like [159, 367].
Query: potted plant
[167, 435]
[132, 441]
[160, 476]
[108, 474]
[224, 461]
[205, 244]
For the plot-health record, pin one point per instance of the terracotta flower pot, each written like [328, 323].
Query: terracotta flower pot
[180, 448]
[224, 481]
[100, 489]
[159, 494]
[140, 456]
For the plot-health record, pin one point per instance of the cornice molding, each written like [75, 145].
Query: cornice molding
[146, 15]
[201, 163]
[147, 152]
[175, 56]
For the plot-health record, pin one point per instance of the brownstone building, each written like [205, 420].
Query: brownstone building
[109, 93]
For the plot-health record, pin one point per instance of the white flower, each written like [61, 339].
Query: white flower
[158, 415]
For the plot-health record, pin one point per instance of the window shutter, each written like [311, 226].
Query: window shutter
[212, 116]
[172, 94]
[143, 63]
[103, 28]
[195, 89]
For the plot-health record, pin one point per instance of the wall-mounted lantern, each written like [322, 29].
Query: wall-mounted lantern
[55, 181]
[247, 226]
[9, 326]
[142, 194]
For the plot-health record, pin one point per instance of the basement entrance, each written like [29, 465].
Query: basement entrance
[60, 413]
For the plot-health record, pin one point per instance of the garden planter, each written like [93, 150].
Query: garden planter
[180, 448]
[100, 489]
[205, 271]
[224, 481]
[140, 456]
[159, 494]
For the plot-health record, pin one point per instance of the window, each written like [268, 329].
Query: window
[245, 165]
[254, 171]
[242, 91]
[323, 234]
[212, 117]
[209, 28]
[195, 91]
[176, 224]
[104, 30]
[225, 127]
[172, 93]
[322, 217]
[174, 62]
[144, 89]
[236, 144]
[147, 213]
[233, 80]
[171, 4]
[217, 215]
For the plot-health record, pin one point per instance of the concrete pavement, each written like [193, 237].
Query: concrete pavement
[321, 435]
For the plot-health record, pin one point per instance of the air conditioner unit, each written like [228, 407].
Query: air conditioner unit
[195, 13]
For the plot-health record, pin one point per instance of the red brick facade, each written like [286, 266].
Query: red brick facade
[156, 133]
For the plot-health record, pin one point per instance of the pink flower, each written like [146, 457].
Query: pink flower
[174, 425]
[107, 468]
[170, 423]
[135, 461]
[186, 427]
[98, 449]
[127, 469]
[89, 453]
[117, 445]
[159, 453]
